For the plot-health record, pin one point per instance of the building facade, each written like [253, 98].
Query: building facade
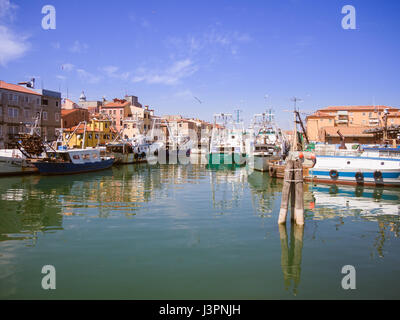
[327, 121]
[72, 117]
[20, 106]
[99, 131]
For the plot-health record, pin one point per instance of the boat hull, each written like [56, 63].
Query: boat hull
[15, 166]
[56, 168]
[356, 170]
[231, 158]
[260, 162]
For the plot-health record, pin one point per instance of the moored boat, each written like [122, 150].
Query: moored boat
[364, 170]
[13, 161]
[73, 161]
[267, 142]
[227, 142]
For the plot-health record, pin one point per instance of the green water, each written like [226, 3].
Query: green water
[191, 232]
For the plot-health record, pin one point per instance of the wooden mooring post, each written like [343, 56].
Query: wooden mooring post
[293, 190]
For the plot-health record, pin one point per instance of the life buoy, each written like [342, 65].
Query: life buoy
[377, 175]
[359, 177]
[334, 174]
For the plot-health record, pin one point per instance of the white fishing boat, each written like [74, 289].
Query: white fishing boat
[179, 145]
[267, 142]
[13, 161]
[227, 144]
[355, 169]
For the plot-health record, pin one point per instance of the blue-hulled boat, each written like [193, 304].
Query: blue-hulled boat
[356, 169]
[73, 161]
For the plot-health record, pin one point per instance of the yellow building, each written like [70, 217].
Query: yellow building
[98, 132]
[359, 118]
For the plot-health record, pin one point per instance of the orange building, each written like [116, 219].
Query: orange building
[118, 110]
[330, 119]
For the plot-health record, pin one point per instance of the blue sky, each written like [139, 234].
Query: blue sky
[229, 54]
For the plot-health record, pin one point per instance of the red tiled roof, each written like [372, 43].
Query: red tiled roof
[17, 88]
[319, 114]
[356, 108]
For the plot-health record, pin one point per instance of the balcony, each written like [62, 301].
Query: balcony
[342, 121]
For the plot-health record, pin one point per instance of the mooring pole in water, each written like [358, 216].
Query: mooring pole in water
[299, 193]
[288, 177]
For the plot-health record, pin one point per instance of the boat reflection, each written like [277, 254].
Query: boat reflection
[373, 204]
[264, 191]
[227, 186]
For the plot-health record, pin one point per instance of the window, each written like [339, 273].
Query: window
[38, 101]
[12, 112]
[1, 130]
[370, 114]
[57, 116]
[44, 115]
[114, 111]
[363, 114]
[76, 157]
[45, 102]
[56, 103]
[27, 114]
[120, 111]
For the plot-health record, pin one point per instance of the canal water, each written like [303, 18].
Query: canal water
[193, 232]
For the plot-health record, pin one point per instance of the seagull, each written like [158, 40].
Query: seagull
[197, 99]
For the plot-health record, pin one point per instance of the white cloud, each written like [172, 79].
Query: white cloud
[209, 42]
[87, 76]
[170, 76]
[78, 47]
[112, 72]
[67, 67]
[12, 46]
[7, 9]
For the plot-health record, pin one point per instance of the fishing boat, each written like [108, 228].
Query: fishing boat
[267, 143]
[351, 169]
[71, 161]
[13, 161]
[227, 144]
[123, 152]
[179, 145]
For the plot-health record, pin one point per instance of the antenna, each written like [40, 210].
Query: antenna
[295, 99]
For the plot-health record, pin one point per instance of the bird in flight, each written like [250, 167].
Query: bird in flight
[197, 99]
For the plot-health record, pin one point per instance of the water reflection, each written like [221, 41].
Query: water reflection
[227, 186]
[291, 255]
[26, 211]
[264, 191]
[372, 204]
